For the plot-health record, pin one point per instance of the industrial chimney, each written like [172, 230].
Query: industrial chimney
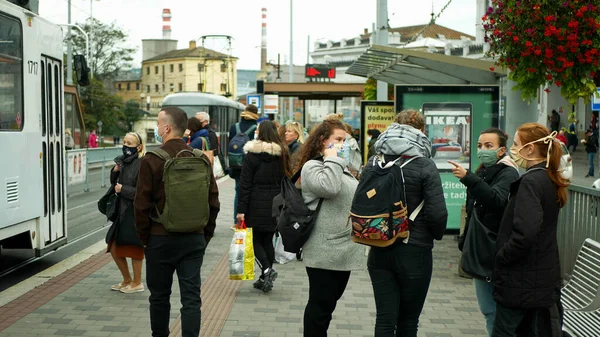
[263, 41]
[166, 28]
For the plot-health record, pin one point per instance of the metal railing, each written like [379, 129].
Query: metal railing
[577, 221]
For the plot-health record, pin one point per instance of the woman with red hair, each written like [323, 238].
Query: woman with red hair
[527, 278]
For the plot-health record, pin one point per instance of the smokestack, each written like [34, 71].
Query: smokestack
[263, 41]
[166, 28]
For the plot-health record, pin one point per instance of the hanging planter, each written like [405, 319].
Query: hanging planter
[546, 42]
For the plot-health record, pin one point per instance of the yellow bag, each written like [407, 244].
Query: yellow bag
[241, 254]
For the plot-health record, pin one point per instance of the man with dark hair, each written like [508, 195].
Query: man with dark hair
[248, 119]
[168, 252]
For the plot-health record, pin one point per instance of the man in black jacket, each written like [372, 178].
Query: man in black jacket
[591, 147]
[204, 118]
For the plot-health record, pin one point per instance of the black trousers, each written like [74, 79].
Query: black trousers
[400, 276]
[164, 256]
[264, 252]
[325, 289]
[517, 322]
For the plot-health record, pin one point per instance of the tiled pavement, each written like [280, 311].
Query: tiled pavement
[231, 308]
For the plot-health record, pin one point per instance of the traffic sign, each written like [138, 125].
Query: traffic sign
[254, 100]
[596, 101]
[271, 104]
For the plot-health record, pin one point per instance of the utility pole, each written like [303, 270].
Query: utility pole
[91, 61]
[291, 65]
[381, 38]
[69, 48]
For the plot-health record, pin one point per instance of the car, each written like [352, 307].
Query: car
[566, 163]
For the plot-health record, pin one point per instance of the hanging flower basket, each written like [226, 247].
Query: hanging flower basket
[546, 41]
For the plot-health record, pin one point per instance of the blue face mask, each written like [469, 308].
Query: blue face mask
[157, 136]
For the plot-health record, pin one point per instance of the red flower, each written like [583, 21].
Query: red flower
[547, 90]
[548, 77]
[558, 83]
[528, 44]
[516, 38]
[492, 68]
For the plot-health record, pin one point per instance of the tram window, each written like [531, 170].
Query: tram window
[59, 176]
[57, 101]
[50, 105]
[52, 178]
[11, 75]
[43, 69]
[45, 169]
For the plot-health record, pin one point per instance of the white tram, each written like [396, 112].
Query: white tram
[32, 173]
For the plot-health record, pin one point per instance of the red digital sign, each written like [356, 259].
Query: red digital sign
[319, 71]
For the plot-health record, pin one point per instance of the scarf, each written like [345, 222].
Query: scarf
[403, 140]
[249, 115]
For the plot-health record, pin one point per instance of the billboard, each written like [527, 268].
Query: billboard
[455, 115]
[76, 161]
[376, 115]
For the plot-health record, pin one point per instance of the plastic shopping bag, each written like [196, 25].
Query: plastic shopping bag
[241, 254]
[281, 256]
[218, 168]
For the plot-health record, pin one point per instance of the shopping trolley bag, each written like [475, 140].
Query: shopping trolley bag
[241, 254]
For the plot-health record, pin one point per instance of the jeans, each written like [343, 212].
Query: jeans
[591, 156]
[235, 199]
[400, 276]
[325, 289]
[484, 291]
[164, 256]
[263, 249]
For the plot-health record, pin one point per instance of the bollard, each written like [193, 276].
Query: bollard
[103, 185]
[86, 187]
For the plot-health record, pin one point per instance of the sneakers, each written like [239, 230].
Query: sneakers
[268, 279]
[259, 283]
[118, 286]
[129, 289]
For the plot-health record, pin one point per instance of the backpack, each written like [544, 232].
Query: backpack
[295, 221]
[236, 146]
[187, 182]
[379, 213]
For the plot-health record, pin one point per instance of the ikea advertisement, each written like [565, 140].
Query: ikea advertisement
[454, 115]
[374, 115]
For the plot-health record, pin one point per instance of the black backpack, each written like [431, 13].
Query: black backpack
[295, 221]
[379, 213]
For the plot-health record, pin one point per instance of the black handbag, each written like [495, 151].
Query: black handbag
[479, 250]
[108, 204]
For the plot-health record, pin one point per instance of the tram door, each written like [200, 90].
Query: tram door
[54, 224]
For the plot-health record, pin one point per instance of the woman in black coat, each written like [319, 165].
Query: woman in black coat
[487, 196]
[527, 277]
[122, 238]
[266, 162]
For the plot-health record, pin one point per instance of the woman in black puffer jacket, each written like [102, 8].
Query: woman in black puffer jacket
[266, 162]
[487, 196]
[401, 273]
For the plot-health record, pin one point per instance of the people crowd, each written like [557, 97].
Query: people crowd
[509, 244]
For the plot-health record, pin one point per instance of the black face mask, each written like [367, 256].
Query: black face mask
[128, 151]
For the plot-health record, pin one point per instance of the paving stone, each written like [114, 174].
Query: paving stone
[69, 332]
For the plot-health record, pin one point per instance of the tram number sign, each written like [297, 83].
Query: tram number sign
[319, 71]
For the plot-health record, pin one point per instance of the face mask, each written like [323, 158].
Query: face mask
[488, 157]
[516, 156]
[128, 151]
[339, 147]
[157, 136]
[369, 140]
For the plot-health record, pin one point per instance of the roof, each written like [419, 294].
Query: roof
[431, 30]
[409, 66]
[199, 98]
[198, 52]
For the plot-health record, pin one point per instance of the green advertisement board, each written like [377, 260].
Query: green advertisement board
[455, 115]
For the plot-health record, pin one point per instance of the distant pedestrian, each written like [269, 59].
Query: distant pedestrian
[213, 141]
[122, 239]
[93, 139]
[554, 120]
[198, 137]
[69, 142]
[179, 250]
[294, 138]
[591, 147]
[572, 135]
[329, 254]
[527, 272]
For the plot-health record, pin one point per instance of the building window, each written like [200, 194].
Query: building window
[171, 67]
[180, 86]
[224, 87]
[200, 67]
[163, 88]
[137, 86]
[180, 67]
[147, 70]
[223, 67]
[171, 87]
[119, 86]
[155, 69]
[201, 87]
[148, 89]
[156, 87]
[128, 86]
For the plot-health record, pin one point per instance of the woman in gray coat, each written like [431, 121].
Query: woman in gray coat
[329, 253]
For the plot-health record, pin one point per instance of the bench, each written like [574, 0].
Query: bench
[581, 295]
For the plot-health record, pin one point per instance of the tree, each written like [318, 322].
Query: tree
[131, 113]
[108, 53]
[370, 92]
[100, 105]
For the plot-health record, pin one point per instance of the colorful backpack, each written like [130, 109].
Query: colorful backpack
[379, 213]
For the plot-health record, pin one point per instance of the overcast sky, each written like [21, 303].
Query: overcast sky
[241, 19]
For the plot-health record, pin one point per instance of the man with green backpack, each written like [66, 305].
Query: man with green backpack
[176, 207]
